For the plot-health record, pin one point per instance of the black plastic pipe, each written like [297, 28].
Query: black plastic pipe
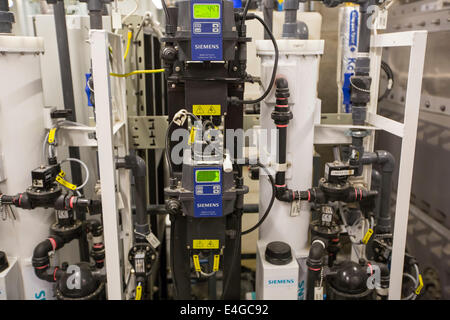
[59, 14]
[268, 16]
[41, 260]
[364, 31]
[375, 185]
[139, 171]
[315, 265]
[387, 162]
[281, 116]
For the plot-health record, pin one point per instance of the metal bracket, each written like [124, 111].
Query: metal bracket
[148, 132]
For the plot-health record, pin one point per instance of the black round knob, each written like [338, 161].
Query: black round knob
[350, 278]
[278, 252]
[3, 261]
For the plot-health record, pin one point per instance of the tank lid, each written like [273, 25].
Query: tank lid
[278, 253]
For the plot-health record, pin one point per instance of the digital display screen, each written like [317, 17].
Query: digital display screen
[206, 11]
[207, 176]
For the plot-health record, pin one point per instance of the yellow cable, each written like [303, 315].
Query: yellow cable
[136, 72]
[138, 292]
[130, 35]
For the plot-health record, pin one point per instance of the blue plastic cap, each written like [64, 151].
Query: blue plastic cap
[237, 3]
[88, 91]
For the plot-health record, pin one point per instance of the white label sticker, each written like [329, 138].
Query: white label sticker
[342, 172]
[318, 293]
[153, 240]
[295, 208]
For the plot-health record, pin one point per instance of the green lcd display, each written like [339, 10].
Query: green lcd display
[206, 11]
[207, 176]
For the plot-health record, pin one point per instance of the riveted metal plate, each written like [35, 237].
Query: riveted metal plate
[147, 132]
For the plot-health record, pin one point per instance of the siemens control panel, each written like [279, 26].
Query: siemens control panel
[207, 192]
[206, 30]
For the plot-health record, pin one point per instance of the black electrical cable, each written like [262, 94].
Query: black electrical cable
[275, 63]
[269, 207]
[166, 11]
[390, 75]
[169, 162]
[172, 259]
[244, 15]
[237, 246]
[239, 234]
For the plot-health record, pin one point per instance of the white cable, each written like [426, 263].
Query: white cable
[417, 272]
[207, 274]
[360, 89]
[413, 295]
[132, 11]
[85, 168]
[44, 146]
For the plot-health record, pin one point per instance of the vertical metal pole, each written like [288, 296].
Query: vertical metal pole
[413, 92]
[59, 14]
[268, 16]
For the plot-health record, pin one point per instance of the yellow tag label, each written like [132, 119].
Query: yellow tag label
[205, 244]
[216, 262]
[61, 181]
[367, 236]
[51, 135]
[196, 263]
[419, 288]
[138, 293]
[192, 135]
[206, 109]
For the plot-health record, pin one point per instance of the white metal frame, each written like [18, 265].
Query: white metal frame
[407, 131]
[112, 138]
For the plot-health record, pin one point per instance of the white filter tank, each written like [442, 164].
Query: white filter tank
[299, 64]
[21, 136]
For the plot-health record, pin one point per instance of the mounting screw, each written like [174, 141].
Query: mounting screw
[177, 69]
[235, 68]
[427, 104]
[443, 108]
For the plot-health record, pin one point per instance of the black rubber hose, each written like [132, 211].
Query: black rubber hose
[275, 63]
[244, 15]
[269, 207]
[166, 12]
[390, 76]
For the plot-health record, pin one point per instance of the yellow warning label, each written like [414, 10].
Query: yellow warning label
[216, 262]
[205, 244]
[196, 263]
[51, 135]
[61, 181]
[367, 236]
[419, 288]
[206, 109]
